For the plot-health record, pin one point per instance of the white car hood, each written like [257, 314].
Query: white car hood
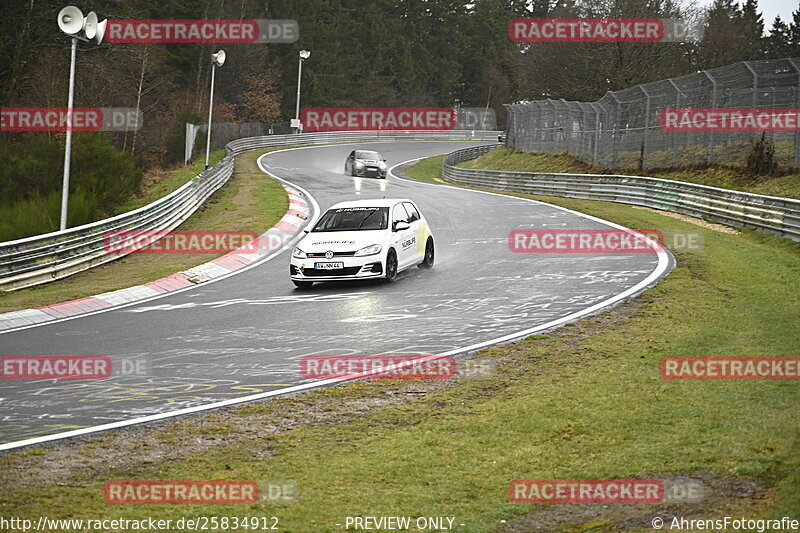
[341, 241]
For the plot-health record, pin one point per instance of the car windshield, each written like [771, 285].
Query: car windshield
[353, 219]
[368, 155]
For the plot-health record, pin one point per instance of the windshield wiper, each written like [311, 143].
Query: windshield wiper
[365, 219]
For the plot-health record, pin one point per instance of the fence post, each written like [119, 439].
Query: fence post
[596, 132]
[796, 89]
[672, 138]
[615, 133]
[797, 131]
[710, 157]
[646, 124]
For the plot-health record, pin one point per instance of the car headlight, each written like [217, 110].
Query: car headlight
[382, 165]
[359, 164]
[369, 250]
[298, 253]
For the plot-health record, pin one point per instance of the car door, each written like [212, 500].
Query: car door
[414, 221]
[348, 164]
[403, 241]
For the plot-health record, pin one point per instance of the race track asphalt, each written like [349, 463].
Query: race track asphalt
[246, 334]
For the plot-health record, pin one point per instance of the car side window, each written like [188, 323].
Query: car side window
[352, 154]
[413, 214]
[399, 214]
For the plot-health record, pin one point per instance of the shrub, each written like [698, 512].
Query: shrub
[761, 160]
[31, 172]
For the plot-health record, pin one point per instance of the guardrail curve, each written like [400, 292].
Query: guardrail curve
[51, 256]
[773, 214]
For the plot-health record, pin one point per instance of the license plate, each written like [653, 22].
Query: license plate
[328, 266]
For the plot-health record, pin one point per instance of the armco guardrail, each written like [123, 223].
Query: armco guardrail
[768, 213]
[42, 258]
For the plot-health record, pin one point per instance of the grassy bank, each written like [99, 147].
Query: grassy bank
[583, 402]
[726, 178]
[250, 201]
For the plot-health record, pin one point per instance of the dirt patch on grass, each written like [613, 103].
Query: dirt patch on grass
[692, 220]
[138, 446]
[722, 496]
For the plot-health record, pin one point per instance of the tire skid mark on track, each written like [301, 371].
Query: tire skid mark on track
[494, 319]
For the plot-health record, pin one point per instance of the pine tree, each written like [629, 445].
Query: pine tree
[777, 43]
[794, 34]
[752, 34]
[721, 42]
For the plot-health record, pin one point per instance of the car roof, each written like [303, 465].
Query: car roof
[383, 202]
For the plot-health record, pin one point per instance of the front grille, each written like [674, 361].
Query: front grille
[335, 254]
[347, 271]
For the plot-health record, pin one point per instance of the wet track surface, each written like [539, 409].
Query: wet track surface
[246, 334]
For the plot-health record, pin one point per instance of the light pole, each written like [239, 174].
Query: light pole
[217, 60]
[72, 22]
[304, 54]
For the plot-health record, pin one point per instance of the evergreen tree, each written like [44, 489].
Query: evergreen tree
[777, 43]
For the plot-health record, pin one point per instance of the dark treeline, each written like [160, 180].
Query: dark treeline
[363, 53]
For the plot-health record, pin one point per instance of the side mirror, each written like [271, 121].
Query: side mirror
[306, 230]
[384, 161]
[400, 226]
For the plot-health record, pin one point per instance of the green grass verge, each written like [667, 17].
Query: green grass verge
[166, 182]
[728, 178]
[250, 201]
[583, 402]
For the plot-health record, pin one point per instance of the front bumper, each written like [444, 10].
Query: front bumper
[369, 172]
[371, 266]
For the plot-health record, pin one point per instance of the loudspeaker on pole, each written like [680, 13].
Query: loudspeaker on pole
[70, 20]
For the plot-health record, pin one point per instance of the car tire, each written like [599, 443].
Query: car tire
[302, 284]
[391, 266]
[427, 261]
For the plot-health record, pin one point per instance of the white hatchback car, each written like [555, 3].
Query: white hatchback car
[361, 240]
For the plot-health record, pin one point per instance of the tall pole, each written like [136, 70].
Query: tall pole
[297, 106]
[210, 109]
[68, 147]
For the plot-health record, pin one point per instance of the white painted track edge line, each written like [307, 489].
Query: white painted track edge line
[272, 255]
[663, 262]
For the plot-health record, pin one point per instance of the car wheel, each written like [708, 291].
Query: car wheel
[427, 262]
[391, 266]
[303, 284]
